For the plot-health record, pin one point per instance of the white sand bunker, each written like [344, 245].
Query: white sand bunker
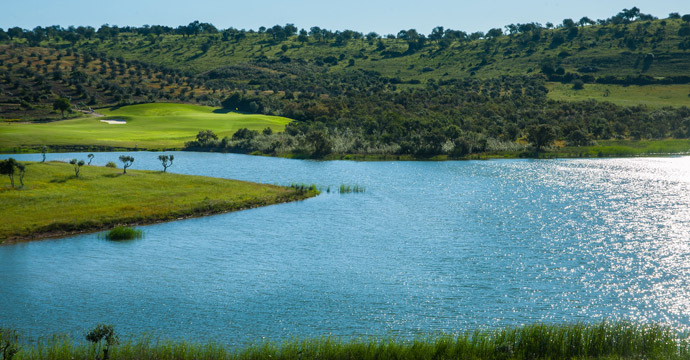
[114, 122]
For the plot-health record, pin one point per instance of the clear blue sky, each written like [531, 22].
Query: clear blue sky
[383, 17]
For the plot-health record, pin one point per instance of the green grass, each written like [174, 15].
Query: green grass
[650, 95]
[536, 341]
[626, 148]
[149, 126]
[54, 203]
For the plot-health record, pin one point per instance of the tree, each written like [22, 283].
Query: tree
[578, 84]
[166, 161]
[77, 166]
[7, 168]
[90, 156]
[206, 136]
[22, 170]
[541, 136]
[61, 104]
[103, 332]
[126, 162]
[44, 150]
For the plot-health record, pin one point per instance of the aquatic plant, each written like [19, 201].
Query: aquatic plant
[123, 233]
[346, 189]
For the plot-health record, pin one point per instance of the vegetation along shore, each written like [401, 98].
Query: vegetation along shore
[55, 199]
[537, 341]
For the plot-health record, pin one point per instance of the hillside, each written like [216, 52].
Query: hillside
[446, 93]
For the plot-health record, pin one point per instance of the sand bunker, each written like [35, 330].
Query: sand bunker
[114, 121]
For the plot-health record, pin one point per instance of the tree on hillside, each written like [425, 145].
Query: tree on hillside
[77, 166]
[126, 162]
[62, 104]
[541, 136]
[166, 161]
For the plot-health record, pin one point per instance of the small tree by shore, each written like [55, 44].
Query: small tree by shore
[44, 150]
[101, 333]
[90, 156]
[77, 166]
[10, 167]
[126, 162]
[166, 161]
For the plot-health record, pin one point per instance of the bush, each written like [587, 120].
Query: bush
[123, 233]
[111, 164]
[578, 84]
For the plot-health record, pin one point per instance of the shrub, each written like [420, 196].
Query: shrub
[111, 164]
[123, 233]
[578, 84]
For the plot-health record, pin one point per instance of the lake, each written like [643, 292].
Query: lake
[429, 247]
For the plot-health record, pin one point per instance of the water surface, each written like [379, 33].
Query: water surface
[429, 247]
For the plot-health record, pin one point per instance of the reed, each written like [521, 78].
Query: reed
[606, 340]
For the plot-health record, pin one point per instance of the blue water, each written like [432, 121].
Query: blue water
[429, 247]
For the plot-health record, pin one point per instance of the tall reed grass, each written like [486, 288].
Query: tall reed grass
[605, 340]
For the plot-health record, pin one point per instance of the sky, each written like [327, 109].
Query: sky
[383, 17]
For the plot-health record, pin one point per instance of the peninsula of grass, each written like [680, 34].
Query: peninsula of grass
[55, 203]
[536, 341]
[156, 126]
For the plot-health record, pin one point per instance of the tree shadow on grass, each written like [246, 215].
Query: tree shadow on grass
[62, 179]
[113, 175]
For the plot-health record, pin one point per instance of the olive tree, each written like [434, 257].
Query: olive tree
[90, 156]
[22, 170]
[77, 166]
[102, 333]
[61, 104]
[166, 161]
[541, 136]
[7, 167]
[44, 150]
[126, 162]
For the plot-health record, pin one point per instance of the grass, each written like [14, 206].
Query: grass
[650, 95]
[123, 233]
[537, 341]
[56, 203]
[154, 126]
[626, 148]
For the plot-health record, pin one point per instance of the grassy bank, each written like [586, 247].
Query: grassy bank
[631, 95]
[538, 341]
[54, 202]
[148, 126]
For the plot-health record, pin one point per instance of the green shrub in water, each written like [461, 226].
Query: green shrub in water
[123, 233]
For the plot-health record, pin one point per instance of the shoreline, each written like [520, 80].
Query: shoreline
[630, 150]
[58, 234]
[55, 203]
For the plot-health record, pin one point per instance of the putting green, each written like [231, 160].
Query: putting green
[148, 126]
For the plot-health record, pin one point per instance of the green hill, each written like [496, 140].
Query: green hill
[446, 93]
